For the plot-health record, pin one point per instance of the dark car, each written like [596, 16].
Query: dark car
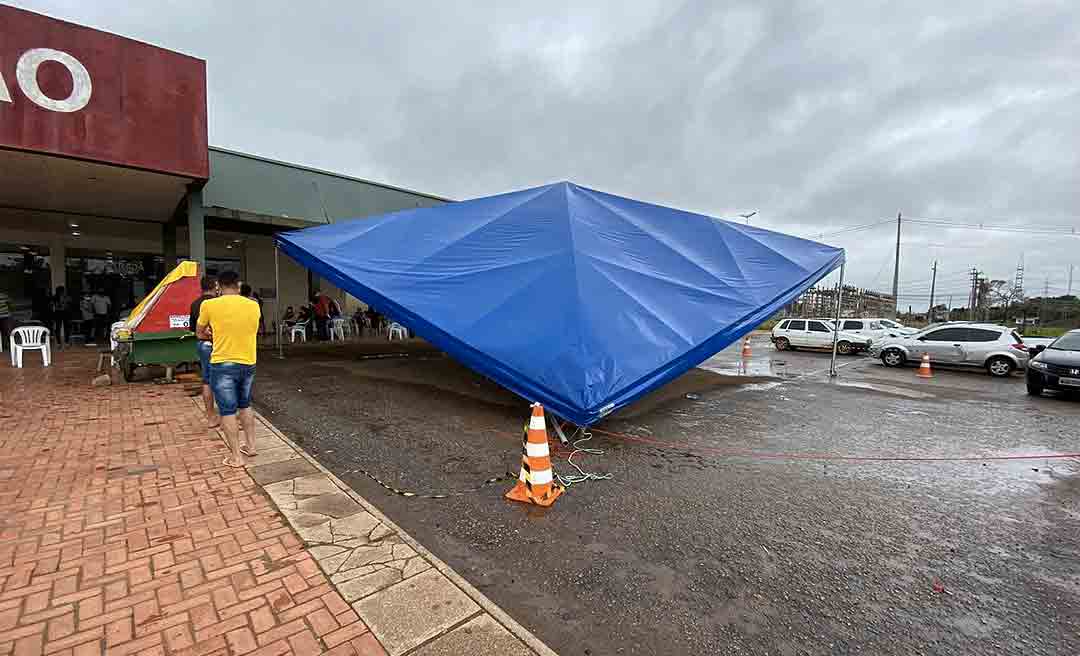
[1057, 366]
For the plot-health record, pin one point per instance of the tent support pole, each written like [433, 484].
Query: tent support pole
[277, 303]
[558, 429]
[836, 322]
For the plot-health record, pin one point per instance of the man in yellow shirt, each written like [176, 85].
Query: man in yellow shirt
[231, 321]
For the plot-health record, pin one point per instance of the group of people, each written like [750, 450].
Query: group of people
[316, 315]
[227, 323]
[94, 311]
[62, 313]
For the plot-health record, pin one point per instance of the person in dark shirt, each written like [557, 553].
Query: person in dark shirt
[247, 291]
[61, 316]
[204, 347]
[373, 320]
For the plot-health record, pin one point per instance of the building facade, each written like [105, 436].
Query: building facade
[107, 179]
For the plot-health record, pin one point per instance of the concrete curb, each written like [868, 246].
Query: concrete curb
[511, 625]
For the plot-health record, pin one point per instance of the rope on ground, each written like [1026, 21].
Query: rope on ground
[441, 495]
[582, 475]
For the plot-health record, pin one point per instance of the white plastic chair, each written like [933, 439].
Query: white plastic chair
[31, 338]
[298, 329]
[337, 329]
[113, 342]
[398, 330]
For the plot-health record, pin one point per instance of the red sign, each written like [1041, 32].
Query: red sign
[74, 91]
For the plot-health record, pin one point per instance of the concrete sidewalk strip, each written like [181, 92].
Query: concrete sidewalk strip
[401, 591]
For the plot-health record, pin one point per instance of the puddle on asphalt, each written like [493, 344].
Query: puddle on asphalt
[748, 367]
[757, 387]
[887, 389]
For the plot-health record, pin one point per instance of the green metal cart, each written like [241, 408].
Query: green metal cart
[167, 349]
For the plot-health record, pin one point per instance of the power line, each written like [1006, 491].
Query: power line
[1040, 230]
[965, 225]
[840, 231]
[995, 223]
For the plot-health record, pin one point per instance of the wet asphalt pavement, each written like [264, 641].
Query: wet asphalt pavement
[722, 531]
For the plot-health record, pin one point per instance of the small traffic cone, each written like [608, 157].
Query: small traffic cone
[536, 482]
[746, 347]
[924, 367]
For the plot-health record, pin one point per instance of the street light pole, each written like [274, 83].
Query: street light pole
[896, 270]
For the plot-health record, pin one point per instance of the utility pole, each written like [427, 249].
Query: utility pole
[1068, 292]
[982, 292]
[1042, 305]
[896, 269]
[948, 310]
[933, 282]
[1018, 292]
[973, 296]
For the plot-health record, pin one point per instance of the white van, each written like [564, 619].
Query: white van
[816, 334]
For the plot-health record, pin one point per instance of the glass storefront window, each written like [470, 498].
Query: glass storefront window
[25, 278]
[125, 279]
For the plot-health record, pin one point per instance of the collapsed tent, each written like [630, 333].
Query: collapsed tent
[581, 300]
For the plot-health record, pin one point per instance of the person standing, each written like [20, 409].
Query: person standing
[246, 290]
[101, 305]
[86, 313]
[321, 303]
[204, 347]
[231, 322]
[61, 316]
[5, 318]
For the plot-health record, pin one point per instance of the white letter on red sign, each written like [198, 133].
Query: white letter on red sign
[5, 96]
[26, 74]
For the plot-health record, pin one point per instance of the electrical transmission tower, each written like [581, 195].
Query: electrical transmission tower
[1018, 284]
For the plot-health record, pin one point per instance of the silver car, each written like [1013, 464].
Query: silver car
[997, 349]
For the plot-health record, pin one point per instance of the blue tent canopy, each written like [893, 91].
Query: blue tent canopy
[581, 300]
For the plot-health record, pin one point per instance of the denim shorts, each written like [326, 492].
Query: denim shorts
[231, 384]
[204, 348]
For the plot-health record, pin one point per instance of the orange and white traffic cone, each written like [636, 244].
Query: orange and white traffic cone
[924, 367]
[536, 482]
[746, 347]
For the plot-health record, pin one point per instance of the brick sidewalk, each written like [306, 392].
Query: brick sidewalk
[122, 533]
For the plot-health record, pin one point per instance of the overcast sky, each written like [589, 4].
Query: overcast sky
[818, 115]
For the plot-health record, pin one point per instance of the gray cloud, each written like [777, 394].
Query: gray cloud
[819, 115]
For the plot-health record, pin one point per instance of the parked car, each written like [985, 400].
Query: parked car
[874, 328]
[815, 333]
[1056, 366]
[998, 349]
[1032, 342]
